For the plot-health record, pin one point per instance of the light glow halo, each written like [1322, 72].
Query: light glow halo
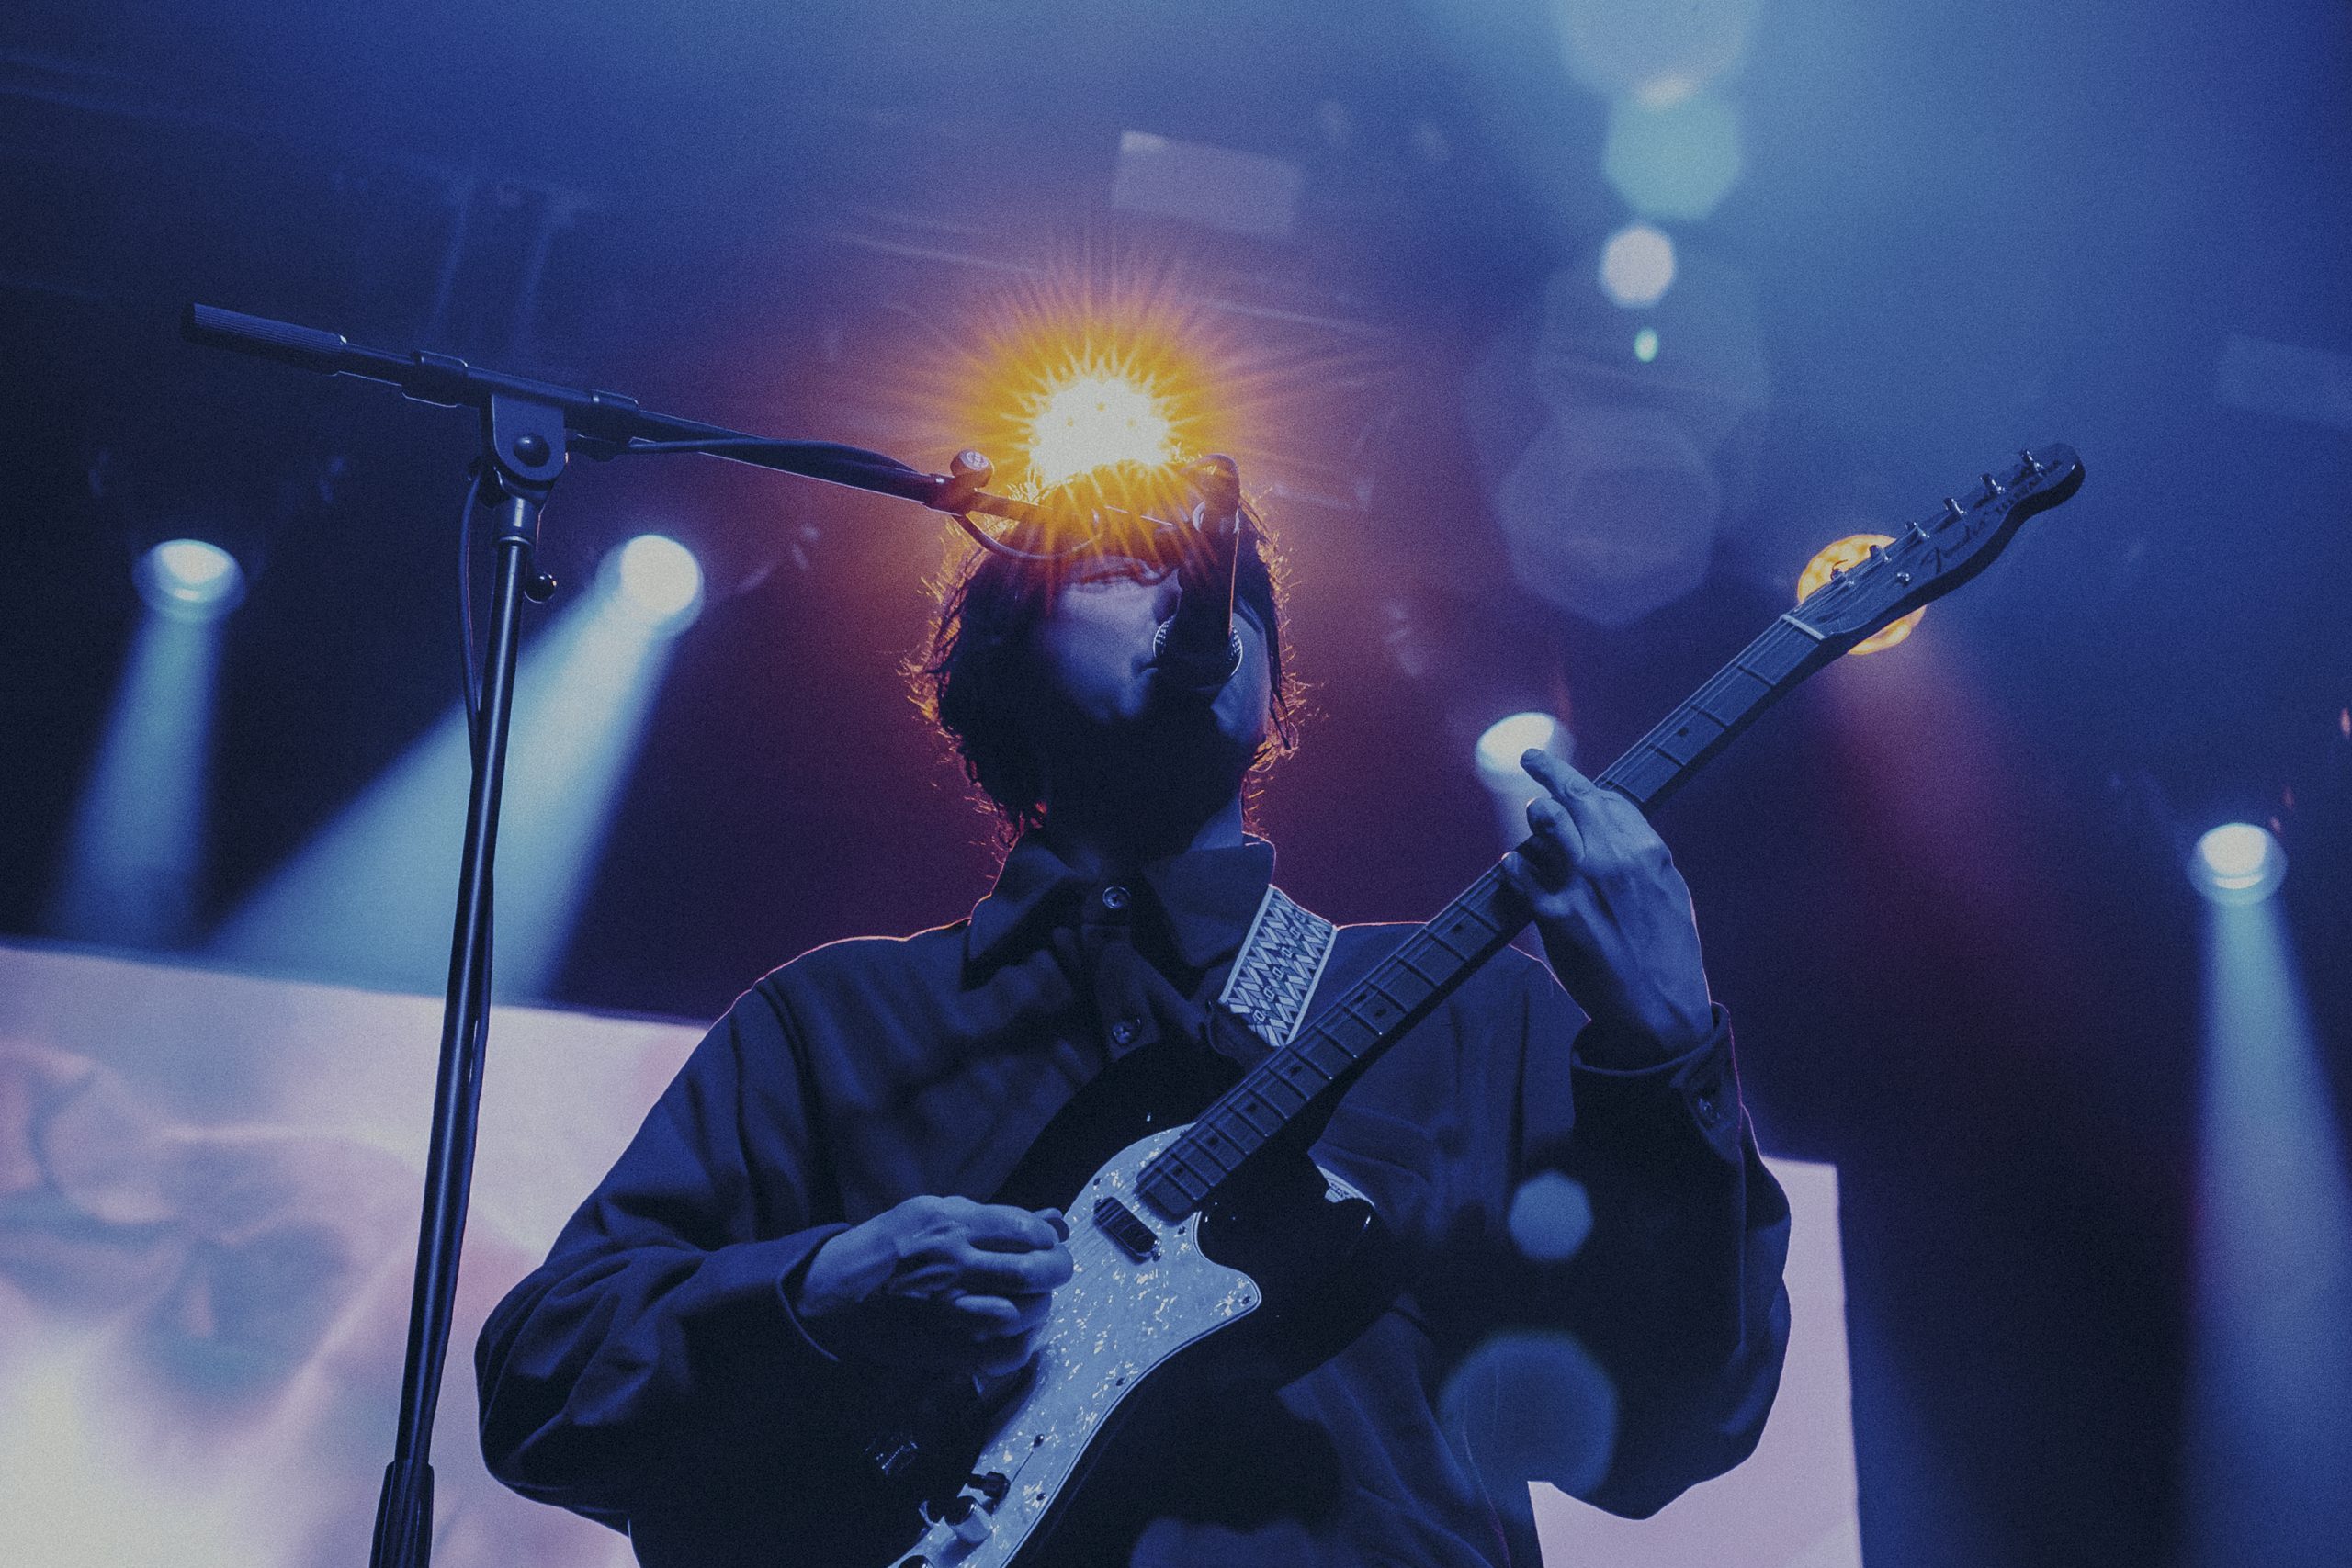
[1851, 551]
[1087, 418]
[1093, 376]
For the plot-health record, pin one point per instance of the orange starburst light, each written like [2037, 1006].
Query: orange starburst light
[1851, 551]
[1095, 417]
[1084, 374]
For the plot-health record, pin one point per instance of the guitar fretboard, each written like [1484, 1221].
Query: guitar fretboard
[1344, 1035]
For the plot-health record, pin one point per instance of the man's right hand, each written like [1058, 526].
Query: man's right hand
[944, 1284]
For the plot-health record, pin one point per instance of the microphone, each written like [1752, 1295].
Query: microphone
[1197, 649]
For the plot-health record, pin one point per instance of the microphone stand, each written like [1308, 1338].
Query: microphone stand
[528, 428]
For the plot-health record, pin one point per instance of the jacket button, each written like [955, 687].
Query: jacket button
[1123, 1032]
[1115, 897]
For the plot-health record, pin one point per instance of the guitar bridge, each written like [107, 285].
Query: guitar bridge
[1119, 1222]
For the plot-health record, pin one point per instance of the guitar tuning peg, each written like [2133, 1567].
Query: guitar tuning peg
[1952, 514]
[1919, 534]
[1992, 488]
[2032, 464]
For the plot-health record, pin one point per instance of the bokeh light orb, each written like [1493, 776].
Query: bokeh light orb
[190, 580]
[1508, 739]
[1637, 267]
[1526, 1404]
[2238, 863]
[1645, 344]
[1843, 555]
[1640, 48]
[1551, 1216]
[1676, 161]
[656, 582]
[1093, 420]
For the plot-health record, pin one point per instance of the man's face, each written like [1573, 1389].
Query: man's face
[1093, 647]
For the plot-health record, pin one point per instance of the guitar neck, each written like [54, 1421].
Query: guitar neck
[1343, 1036]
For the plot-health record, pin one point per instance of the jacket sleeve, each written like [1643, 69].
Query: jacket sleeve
[1676, 1290]
[654, 1357]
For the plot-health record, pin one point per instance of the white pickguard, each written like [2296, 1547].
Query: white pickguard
[1114, 1322]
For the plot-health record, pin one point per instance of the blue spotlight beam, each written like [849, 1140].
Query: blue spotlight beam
[2270, 1394]
[358, 904]
[136, 845]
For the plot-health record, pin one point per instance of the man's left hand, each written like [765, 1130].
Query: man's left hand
[1614, 915]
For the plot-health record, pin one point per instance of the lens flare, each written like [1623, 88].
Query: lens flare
[1095, 419]
[1095, 374]
[1851, 551]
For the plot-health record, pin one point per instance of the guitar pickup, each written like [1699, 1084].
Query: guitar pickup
[1119, 1222]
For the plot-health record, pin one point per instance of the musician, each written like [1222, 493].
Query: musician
[800, 1239]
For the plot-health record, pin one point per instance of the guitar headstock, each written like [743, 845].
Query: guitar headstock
[1929, 559]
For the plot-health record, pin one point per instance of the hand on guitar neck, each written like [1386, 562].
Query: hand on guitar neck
[1615, 919]
[937, 1285]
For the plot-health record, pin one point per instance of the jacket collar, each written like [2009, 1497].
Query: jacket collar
[1202, 899]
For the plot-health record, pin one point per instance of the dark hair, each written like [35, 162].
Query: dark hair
[976, 677]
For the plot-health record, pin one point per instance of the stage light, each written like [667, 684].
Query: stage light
[1678, 161]
[1845, 553]
[1645, 344]
[1507, 739]
[1095, 363]
[190, 580]
[1637, 267]
[1497, 754]
[655, 581]
[2237, 863]
[1089, 419]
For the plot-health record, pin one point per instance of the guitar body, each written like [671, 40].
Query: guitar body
[1259, 1286]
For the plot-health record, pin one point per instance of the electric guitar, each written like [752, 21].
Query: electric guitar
[1208, 1248]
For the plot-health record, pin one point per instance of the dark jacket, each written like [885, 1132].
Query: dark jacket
[651, 1374]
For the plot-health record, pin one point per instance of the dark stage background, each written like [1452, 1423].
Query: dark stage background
[1941, 888]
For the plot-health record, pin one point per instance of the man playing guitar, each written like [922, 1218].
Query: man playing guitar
[799, 1247]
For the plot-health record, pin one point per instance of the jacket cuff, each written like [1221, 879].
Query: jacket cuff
[1700, 1086]
[782, 1262]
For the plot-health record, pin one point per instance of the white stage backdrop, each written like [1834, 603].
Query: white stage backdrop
[208, 1186]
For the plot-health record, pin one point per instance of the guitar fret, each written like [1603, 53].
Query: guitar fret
[1326, 1038]
[1220, 1124]
[1281, 1063]
[1175, 1151]
[1437, 936]
[1241, 1109]
[1402, 956]
[1261, 1081]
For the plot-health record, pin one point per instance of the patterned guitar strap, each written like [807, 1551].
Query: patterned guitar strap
[1272, 989]
[1281, 962]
